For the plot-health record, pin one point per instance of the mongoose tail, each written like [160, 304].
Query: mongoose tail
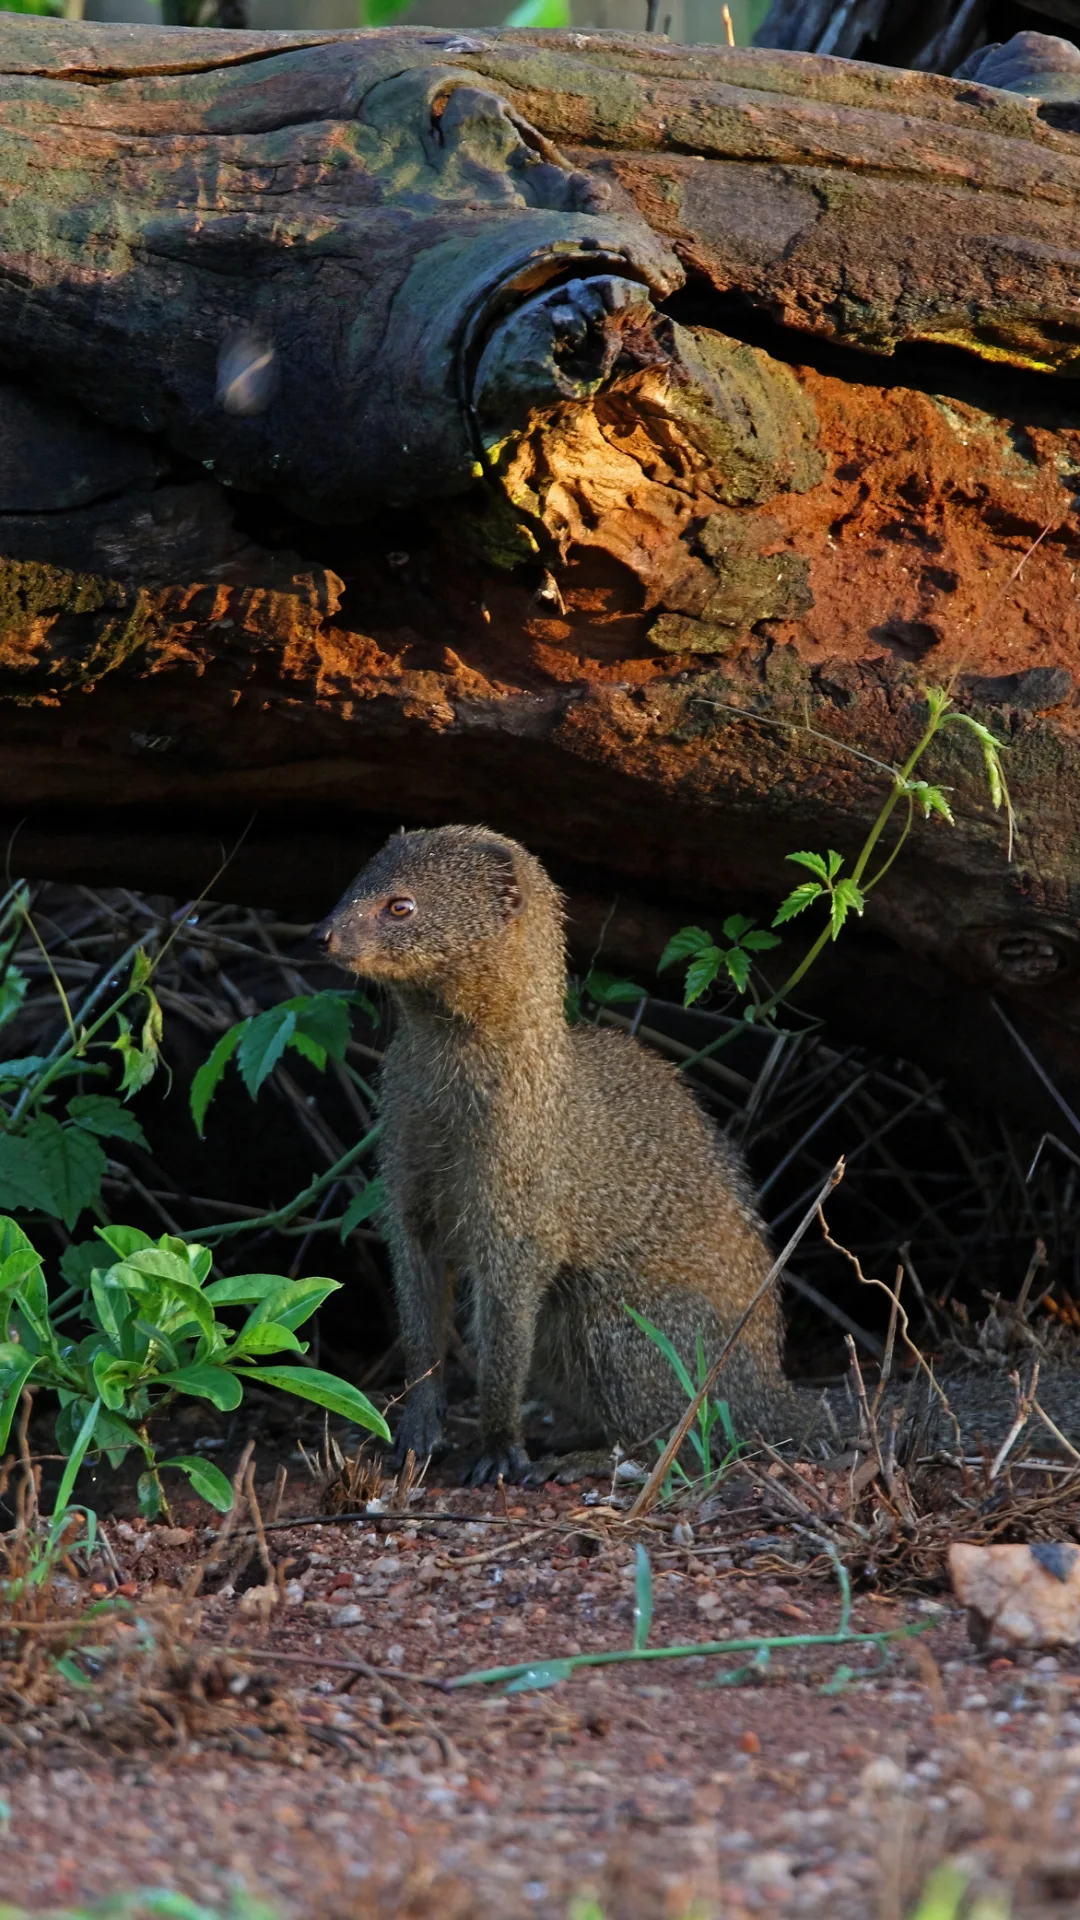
[564, 1173]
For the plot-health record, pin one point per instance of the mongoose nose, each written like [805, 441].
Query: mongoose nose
[323, 934]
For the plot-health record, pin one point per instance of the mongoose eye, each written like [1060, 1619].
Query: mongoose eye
[400, 907]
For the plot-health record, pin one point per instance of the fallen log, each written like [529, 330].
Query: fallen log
[565, 430]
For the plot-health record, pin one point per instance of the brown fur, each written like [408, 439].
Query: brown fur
[559, 1171]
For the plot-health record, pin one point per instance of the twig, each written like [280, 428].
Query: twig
[1048, 1423]
[647, 1497]
[1025, 1401]
[1036, 1066]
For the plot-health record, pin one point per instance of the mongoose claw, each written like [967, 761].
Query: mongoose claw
[503, 1460]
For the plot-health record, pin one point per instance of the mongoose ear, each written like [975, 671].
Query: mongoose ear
[511, 883]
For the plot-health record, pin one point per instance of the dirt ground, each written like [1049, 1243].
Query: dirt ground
[825, 1783]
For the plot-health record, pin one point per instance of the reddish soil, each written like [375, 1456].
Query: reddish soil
[811, 1789]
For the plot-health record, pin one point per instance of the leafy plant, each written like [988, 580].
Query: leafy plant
[316, 1025]
[944, 1897]
[53, 1161]
[154, 1333]
[711, 1414]
[828, 886]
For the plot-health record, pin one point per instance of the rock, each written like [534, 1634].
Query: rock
[1019, 1596]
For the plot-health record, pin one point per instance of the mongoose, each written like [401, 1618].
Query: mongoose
[562, 1172]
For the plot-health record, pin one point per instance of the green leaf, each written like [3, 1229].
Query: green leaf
[683, 946]
[58, 1169]
[666, 1346]
[737, 962]
[324, 1019]
[124, 1241]
[546, 1673]
[78, 1261]
[267, 1336]
[139, 1063]
[15, 1072]
[608, 990]
[206, 1383]
[364, 1206]
[242, 1289]
[111, 1378]
[847, 898]
[541, 13]
[294, 1302]
[14, 1375]
[735, 926]
[264, 1041]
[149, 1492]
[326, 1390]
[836, 861]
[643, 1598]
[208, 1078]
[812, 861]
[12, 994]
[76, 1458]
[141, 969]
[208, 1481]
[99, 1113]
[700, 974]
[797, 901]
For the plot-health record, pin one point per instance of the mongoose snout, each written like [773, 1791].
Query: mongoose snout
[559, 1173]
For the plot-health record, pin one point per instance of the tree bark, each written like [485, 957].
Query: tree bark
[564, 430]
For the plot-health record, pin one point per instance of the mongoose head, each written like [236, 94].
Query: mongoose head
[436, 906]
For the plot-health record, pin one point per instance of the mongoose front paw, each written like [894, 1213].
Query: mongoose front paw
[420, 1432]
[503, 1459]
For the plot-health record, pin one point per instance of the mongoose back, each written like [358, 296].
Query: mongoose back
[562, 1173]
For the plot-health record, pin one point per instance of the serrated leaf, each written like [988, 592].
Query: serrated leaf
[700, 974]
[643, 1597]
[215, 1384]
[139, 1064]
[141, 969]
[737, 962]
[608, 990]
[324, 1019]
[62, 1166]
[99, 1113]
[930, 800]
[846, 898]
[262, 1045]
[326, 1390]
[798, 900]
[813, 862]
[15, 1072]
[836, 861]
[683, 946]
[759, 941]
[208, 1078]
[208, 1481]
[735, 926]
[363, 1206]
[78, 1261]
